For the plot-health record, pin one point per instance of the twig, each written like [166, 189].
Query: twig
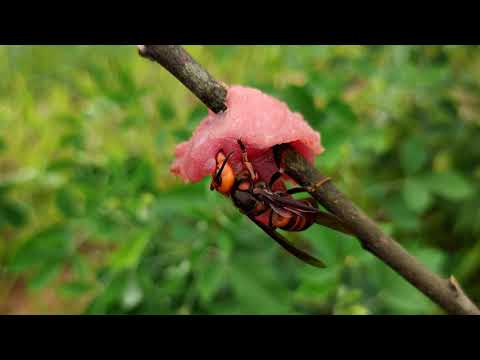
[447, 293]
[181, 65]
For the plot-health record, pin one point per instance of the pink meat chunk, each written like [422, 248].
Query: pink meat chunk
[260, 121]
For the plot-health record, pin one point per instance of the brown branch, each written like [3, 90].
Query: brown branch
[447, 293]
[181, 65]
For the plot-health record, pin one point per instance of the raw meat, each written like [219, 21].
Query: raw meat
[260, 121]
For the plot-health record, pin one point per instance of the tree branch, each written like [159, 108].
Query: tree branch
[447, 293]
[181, 65]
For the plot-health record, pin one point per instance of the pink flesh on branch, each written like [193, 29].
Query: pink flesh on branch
[260, 121]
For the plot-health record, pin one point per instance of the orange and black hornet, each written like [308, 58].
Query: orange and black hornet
[254, 197]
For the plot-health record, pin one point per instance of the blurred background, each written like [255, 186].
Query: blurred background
[91, 220]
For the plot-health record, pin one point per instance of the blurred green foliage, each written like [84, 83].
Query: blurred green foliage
[91, 220]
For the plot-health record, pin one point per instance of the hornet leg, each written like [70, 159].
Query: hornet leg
[247, 162]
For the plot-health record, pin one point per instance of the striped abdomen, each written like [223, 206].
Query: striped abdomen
[293, 222]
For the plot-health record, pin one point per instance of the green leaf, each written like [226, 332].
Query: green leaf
[68, 202]
[325, 243]
[225, 244]
[210, 279]
[52, 244]
[325, 86]
[75, 140]
[402, 216]
[340, 111]
[372, 138]
[128, 255]
[107, 298]
[81, 268]
[196, 115]
[182, 134]
[44, 276]
[416, 195]
[319, 285]
[74, 288]
[338, 126]
[451, 185]
[165, 110]
[413, 155]
[13, 213]
[299, 99]
[253, 291]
